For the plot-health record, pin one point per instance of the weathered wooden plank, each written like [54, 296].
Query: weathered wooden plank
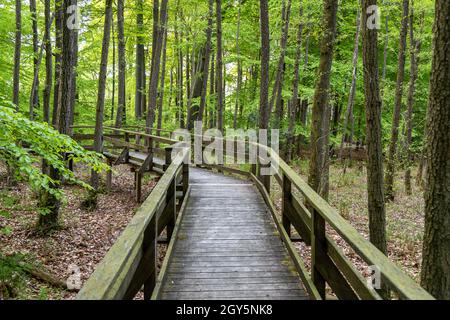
[269, 294]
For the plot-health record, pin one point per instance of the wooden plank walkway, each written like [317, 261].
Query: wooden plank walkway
[228, 247]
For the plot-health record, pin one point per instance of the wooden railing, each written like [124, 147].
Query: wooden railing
[132, 261]
[310, 217]
[121, 273]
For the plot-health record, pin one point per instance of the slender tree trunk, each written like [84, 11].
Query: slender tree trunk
[58, 60]
[318, 177]
[435, 276]
[140, 64]
[413, 74]
[390, 170]
[375, 190]
[295, 98]
[17, 54]
[122, 64]
[98, 139]
[156, 62]
[265, 58]
[239, 67]
[34, 100]
[276, 98]
[351, 96]
[212, 93]
[163, 80]
[113, 93]
[206, 60]
[219, 65]
[48, 62]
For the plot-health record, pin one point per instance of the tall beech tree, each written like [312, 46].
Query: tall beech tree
[265, 59]
[318, 168]
[392, 153]
[34, 96]
[415, 45]
[435, 276]
[48, 61]
[140, 63]
[206, 60]
[219, 65]
[121, 107]
[295, 98]
[375, 188]
[17, 54]
[156, 62]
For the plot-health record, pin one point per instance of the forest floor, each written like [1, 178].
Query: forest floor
[84, 235]
[404, 216]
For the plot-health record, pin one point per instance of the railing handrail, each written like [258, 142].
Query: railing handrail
[406, 287]
[398, 280]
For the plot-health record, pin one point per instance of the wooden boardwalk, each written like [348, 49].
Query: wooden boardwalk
[227, 246]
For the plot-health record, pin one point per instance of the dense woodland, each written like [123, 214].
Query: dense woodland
[344, 83]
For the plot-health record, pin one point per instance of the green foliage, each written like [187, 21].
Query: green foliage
[23, 143]
[11, 275]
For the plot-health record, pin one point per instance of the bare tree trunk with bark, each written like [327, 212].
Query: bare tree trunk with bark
[413, 74]
[295, 99]
[318, 177]
[219, 65]
[122, 64]
[265, 58]
[98, 135]
[390, 169]
[435, 276]
[17, 54]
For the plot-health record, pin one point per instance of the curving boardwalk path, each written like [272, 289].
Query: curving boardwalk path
[227, 246]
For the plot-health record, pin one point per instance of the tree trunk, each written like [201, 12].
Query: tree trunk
[156, 62]
[390, 170]
[351, 96]
[212, 92]
[318, 178]
[276, 98]
[113, 92]
[17, 54]
[265, 56]
[58, 60]
[413, 74]
[295, 99]
[219, 65]
[140, 64]
[122, 64]
[34, 99]
[375, 190]
[163, 80]
[435, 276]
[207, 58]
[98, 136]
[237, 105]
[48, 61]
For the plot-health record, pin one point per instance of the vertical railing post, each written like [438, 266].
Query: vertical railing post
[127, 155]
[171, 196]
[168, 157]
[265, 179]
[318, 250]
[287, 203]
[138, 185]
[109, 176]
